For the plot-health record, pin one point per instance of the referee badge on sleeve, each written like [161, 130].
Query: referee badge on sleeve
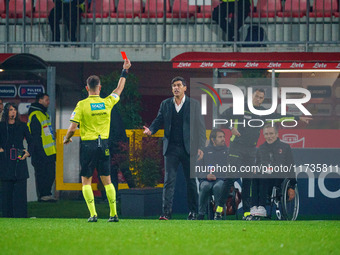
[72, 115]
[114, 95]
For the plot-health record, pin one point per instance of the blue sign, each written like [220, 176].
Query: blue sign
[30, 91]
[97, 106]
[8, 91]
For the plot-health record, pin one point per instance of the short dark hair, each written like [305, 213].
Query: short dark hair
[260, 90]
[93, 81]
[6, 112]
[214, 132]
[2, 101]
[269, 125]
[178, 78]
[40, 96]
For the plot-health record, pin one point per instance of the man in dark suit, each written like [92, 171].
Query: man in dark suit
[183, 128]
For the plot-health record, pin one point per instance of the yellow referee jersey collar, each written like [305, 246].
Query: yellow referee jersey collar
[93, 95]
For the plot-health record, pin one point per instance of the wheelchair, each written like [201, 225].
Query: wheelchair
[285, 209]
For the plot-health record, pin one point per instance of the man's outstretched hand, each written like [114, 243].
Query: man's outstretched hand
[146, 130]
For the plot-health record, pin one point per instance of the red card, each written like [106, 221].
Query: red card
[124, 55]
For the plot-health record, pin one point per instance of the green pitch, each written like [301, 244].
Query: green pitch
[76, 236]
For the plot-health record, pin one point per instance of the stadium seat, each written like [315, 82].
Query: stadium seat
[267, 8]
[128, 9]
[16, 8]
[2, 7]
[324, 8]
[43, 8]
[182, 9]
[294, 8]
[100, 9]
[155, 8]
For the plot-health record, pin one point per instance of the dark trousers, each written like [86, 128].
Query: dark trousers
[177, 155]
[208, 188]
[261, 188]
[14, 199]
[225, 193]
[238, 156]
[69, 13]
[44, 178]
[221, 16]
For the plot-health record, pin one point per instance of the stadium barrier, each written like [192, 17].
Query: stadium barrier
[181, 22]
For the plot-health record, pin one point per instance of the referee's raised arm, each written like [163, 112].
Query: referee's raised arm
[121, 82]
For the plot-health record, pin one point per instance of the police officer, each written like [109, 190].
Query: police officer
[44, 154]
[93, 116]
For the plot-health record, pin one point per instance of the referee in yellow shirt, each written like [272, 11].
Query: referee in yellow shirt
[92, 115]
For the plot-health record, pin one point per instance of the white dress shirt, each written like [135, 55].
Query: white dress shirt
[179, 107]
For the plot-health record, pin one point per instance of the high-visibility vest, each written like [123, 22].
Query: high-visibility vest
[47, 136]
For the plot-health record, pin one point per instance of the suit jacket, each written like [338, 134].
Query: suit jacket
[193, 129]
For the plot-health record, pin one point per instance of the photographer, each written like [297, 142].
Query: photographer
[13, 165]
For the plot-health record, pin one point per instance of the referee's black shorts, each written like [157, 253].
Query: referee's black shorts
[92, 157]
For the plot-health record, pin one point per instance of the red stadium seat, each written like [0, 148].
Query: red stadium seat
[102, 9]
[182, 9]
[155, 8]
[43, 8]
[294, 8]
[16, 8]
[324, 8]
[2, 6]
[128, 9]
[267, 8]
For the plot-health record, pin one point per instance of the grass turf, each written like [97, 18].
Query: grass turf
[76, 236]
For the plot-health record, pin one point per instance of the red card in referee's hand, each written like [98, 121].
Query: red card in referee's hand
[124, 55]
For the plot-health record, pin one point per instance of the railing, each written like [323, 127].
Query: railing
[164, 23]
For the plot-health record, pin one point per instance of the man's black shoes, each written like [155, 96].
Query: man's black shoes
[191, 216]
[113, 219]
[165, 216]
[200, 217]
[92, 219]
[218, 216]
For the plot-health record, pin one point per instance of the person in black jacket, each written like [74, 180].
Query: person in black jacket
[44, 155]
[184, 138]
[214, 154]
[242, 148]
[272, 153]
[221, 15]
[13, 165]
